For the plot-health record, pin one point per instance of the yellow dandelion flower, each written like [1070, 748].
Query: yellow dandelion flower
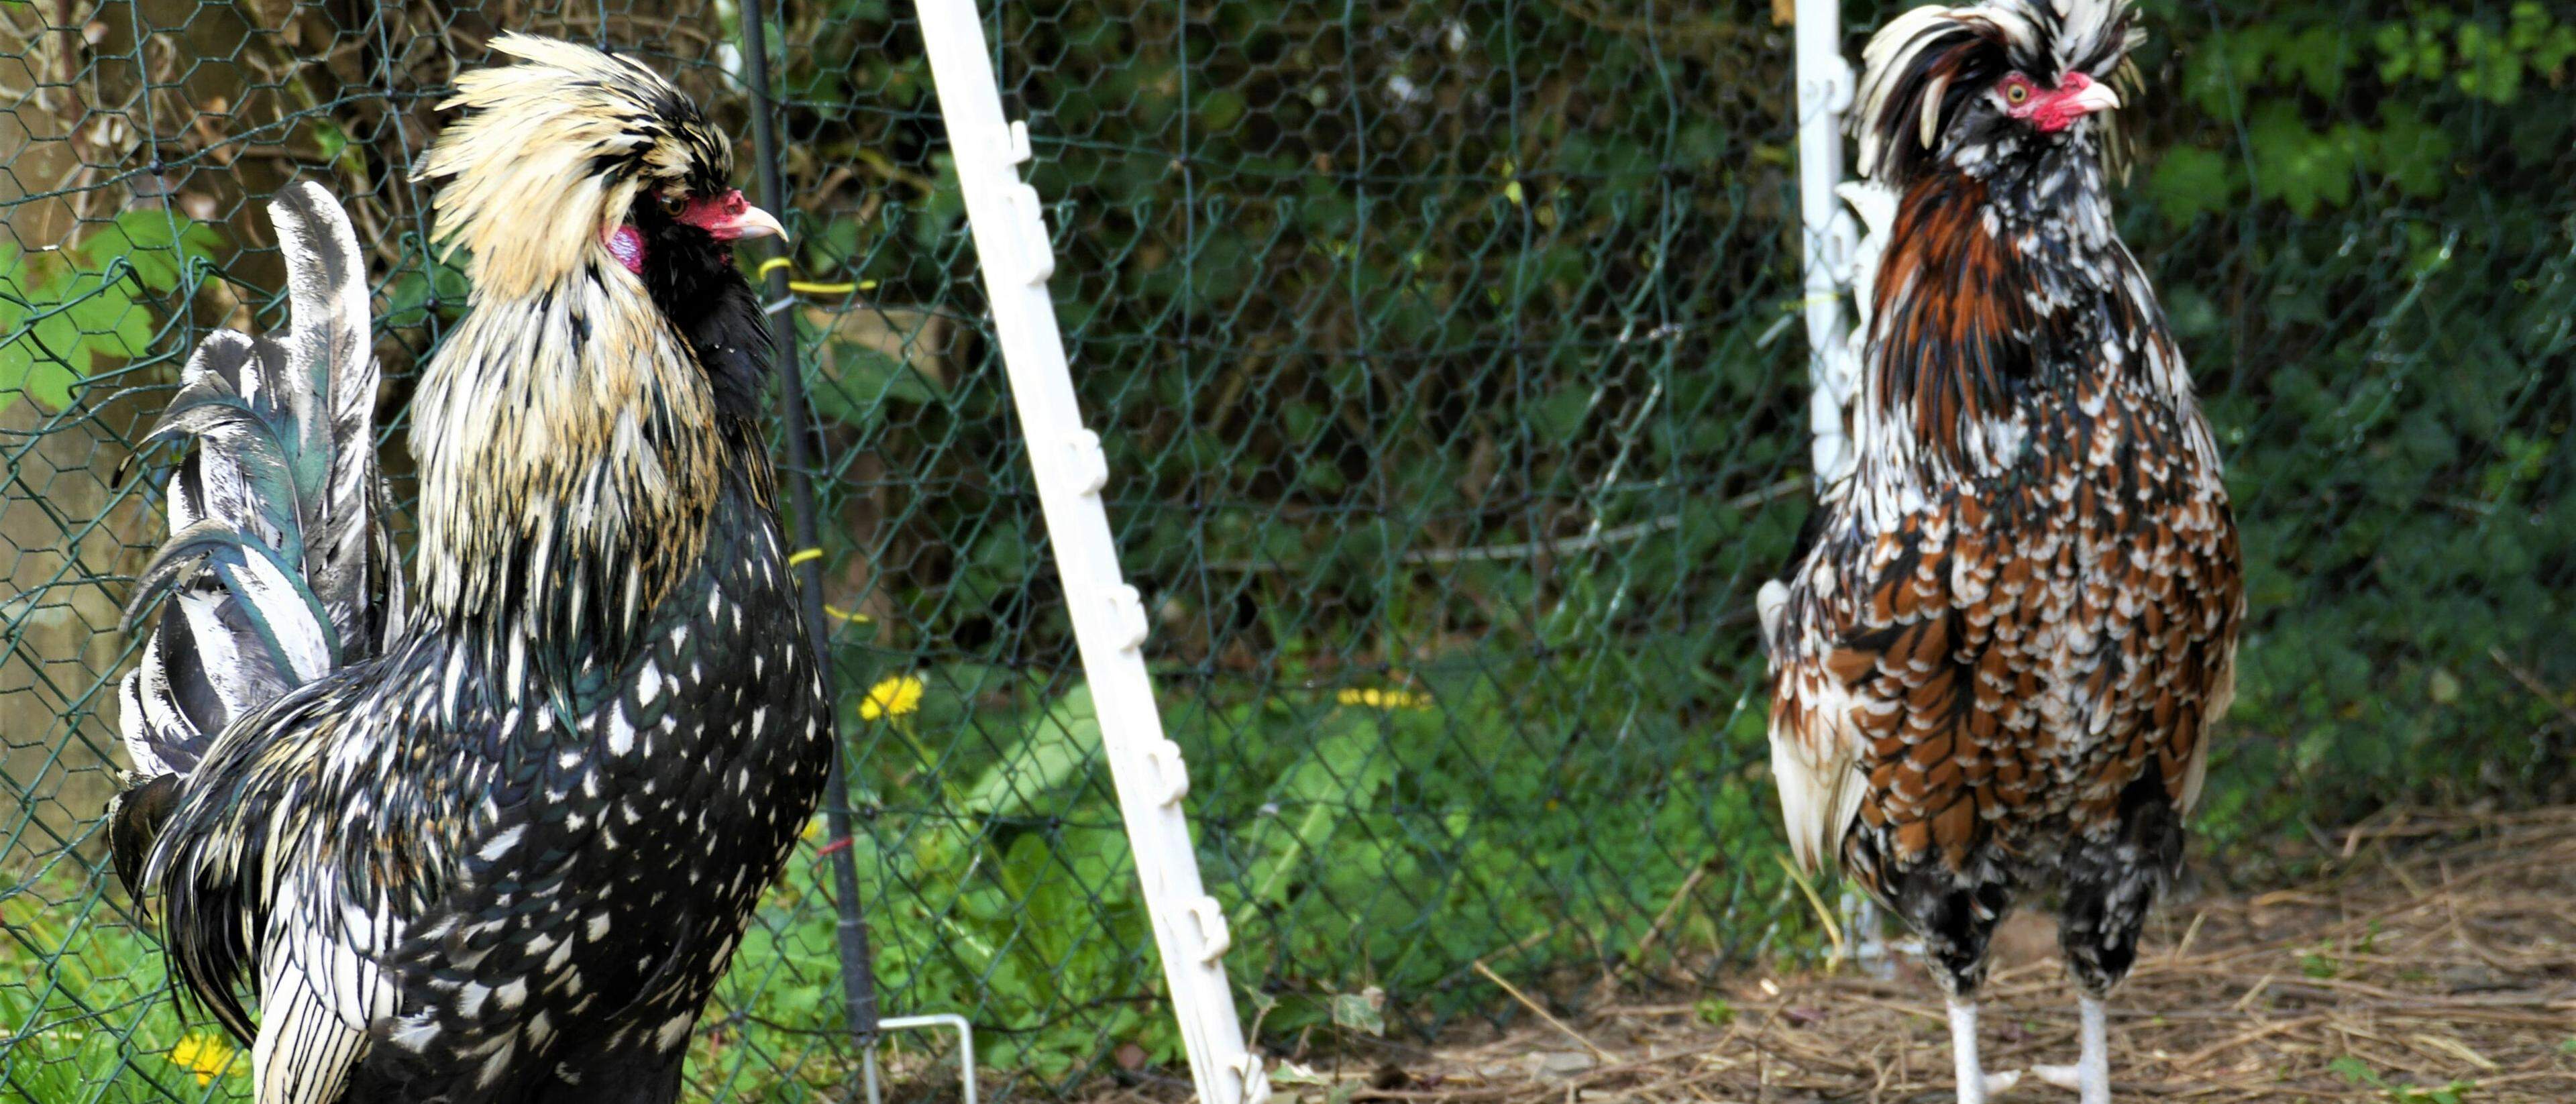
[205, 1055]
[1372, 697]
[891, 697]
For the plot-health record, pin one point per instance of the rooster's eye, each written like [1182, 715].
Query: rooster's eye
[2017, 92]
[673, 205]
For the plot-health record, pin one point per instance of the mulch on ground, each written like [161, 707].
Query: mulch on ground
[2435, 965]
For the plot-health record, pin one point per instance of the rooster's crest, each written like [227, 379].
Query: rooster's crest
[1928, 63]
[550, 154]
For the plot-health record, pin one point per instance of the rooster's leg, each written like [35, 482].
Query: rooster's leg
[1975, 1084]
[2091, 1073]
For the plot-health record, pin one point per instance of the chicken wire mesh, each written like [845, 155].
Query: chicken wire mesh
[1448, 364]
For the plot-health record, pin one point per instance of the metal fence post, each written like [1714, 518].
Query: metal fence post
[858, 969]
[1108, 617]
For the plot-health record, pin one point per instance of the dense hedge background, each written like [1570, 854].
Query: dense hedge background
[1448, 359]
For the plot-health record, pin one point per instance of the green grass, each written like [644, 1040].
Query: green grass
[1365, 831]
[1495, 808]
[86, 1015]
[83, 1016]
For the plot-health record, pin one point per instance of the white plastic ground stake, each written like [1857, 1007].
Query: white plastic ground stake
[1108, 619]
[1825, 86]
[1837, 259]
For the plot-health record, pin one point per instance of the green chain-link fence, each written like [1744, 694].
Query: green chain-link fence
[1447, 359]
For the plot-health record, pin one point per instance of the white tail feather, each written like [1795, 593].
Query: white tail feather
[280, 568]
[1815, 766]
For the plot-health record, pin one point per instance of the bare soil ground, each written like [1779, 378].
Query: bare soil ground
[2436, 964]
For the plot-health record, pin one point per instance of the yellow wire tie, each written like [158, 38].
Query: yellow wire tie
[806, 287]
[804, 555]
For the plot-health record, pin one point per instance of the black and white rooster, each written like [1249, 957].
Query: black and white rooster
[493, 845]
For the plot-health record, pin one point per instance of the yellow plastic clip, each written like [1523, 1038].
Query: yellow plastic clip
[808, 555]
[808, 287]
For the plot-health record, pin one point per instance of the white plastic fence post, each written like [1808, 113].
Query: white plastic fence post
[1108, 618]
[1831, 235]
[1837, 257]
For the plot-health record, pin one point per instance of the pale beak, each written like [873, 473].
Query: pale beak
[729, 217]
[2095, 96]
[752, 222]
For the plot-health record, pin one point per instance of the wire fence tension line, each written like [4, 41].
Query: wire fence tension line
[1009, 227]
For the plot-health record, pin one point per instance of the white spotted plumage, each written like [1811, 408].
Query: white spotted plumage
[421, 834]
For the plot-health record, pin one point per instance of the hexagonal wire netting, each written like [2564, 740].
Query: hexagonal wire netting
[1447, 359]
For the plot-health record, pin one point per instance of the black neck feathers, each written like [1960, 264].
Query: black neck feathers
[692, 278]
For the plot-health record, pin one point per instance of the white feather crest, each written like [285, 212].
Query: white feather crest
[1891, 51]
[2092, 35]
[523, 192]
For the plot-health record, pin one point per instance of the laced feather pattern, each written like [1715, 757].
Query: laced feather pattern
[1996, 662]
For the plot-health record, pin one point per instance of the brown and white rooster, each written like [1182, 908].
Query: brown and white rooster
[1996, 662]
